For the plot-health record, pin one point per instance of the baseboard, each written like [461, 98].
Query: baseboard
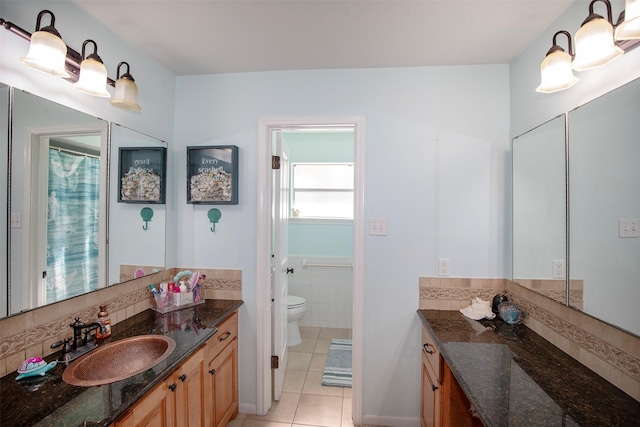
[247, 408]
[376, 420]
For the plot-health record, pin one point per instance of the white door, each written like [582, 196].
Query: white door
[280, 241]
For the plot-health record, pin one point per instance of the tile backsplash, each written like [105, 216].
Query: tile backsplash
[608, 351]
[31, 333]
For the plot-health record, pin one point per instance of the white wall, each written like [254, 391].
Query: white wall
[437, 143]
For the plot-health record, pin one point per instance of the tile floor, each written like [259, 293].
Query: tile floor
[305, 401]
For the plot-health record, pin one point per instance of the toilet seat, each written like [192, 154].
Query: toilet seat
[295, 301]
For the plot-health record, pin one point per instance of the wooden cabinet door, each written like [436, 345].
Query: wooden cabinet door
[189, 383]
[222, 386]
[430, 404]
[156, 409]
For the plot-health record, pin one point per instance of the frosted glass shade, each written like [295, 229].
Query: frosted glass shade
[47, 53]
[594, 45]
[629, 29]
[93, 78]
[556, 73]
[126, 95]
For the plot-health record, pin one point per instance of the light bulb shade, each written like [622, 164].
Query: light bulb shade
[126, 95]
[93, 78]
[47, 53]
[556, 73]
[629, 29]
[594, 45]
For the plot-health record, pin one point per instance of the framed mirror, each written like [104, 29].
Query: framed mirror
[62, 239]
[539, 209]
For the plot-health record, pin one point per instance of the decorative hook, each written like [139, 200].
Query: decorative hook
[146, 214]
[214, 216]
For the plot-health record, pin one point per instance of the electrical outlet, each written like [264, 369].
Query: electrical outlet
[443, 267]
[16, 220]
[558, 269]
[378, 226]
[629, 228]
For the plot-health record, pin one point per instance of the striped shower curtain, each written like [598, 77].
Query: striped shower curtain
[72, 225]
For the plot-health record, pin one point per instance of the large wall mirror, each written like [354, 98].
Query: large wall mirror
[66, 232]
[604, 200]
[539, 209]
[603, 210]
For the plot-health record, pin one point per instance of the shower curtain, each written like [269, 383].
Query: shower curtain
[72, 225]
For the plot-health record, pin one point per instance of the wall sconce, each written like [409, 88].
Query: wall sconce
[555, 71]
[93, 73]
[146, 214]
[126, 95]
[595, 46]
[594, 40]
[48, 53]
[628, 27]
[214, 216]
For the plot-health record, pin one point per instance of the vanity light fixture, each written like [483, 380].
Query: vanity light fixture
[48, 53]
[595, 45]
[628, 27]
[555, 71]
[93, 73]
[126, 95]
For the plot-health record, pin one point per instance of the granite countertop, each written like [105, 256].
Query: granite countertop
[514, 377]
[49, 401]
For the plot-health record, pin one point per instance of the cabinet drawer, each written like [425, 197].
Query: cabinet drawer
[227, 331]
[432, 354]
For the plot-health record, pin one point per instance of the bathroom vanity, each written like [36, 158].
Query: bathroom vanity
[494, 374]
[196, 385]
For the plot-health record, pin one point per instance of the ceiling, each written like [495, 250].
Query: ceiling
[221, 36]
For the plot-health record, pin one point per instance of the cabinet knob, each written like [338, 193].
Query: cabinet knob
[225, 336]
[173, 387]
[183, 377]
[212, 371]
[434, 387]
[426, 348]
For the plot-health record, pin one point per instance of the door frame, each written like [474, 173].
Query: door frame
[263, 270]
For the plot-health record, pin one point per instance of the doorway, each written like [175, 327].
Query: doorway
[265, 224]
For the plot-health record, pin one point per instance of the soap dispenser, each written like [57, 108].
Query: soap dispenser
[105, 321]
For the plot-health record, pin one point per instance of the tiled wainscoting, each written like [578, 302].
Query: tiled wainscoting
[31, 333]
[608, 351]
[328, 290]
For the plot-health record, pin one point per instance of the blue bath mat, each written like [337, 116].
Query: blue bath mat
[337, 371]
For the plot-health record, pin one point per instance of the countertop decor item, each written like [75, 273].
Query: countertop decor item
[511, 312]
[34, 366]
[479, 309]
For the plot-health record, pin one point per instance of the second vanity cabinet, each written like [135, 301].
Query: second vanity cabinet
[203, 391]
[443, 402]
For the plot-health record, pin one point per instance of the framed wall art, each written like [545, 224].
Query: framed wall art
[142, 173]
[212, 175]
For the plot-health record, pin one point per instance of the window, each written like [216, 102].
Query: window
[322, 190]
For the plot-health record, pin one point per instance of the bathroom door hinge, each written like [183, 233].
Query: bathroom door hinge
[275, 361]
[275, 162]
[44, 274]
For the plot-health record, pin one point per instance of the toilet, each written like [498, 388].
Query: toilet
[296, 306]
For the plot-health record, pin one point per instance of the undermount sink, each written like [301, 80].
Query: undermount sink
[119, 360]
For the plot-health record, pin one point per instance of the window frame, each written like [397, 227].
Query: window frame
[319, 219]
